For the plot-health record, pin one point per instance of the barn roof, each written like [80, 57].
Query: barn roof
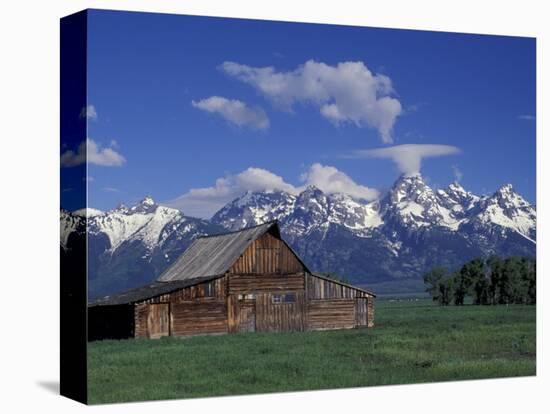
[214, 255]
[145, 292]
[338, 282]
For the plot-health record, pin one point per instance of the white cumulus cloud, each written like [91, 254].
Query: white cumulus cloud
[205, 201]
[457, 172]
[346, 92]
[234, 111]
[408, 157]
[89, 112]
[92, 152]
[331, 180]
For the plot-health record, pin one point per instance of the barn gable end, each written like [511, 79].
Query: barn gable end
[268, 255]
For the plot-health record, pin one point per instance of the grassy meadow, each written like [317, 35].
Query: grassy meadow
[413, 341]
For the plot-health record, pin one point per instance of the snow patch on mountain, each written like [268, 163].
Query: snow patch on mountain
[88, 212]
[413, 204]
[410, 204]
[144, 222]
[70, 223]
[508, 209]
[254, 208]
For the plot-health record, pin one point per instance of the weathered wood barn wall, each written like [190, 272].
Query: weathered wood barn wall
[243, 281]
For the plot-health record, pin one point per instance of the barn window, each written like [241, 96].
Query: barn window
[289, 298]
[209, 289]
[247, 296]
[285, 298]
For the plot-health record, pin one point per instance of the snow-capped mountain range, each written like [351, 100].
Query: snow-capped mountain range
[410, 204]
[130, 246]
[410, 229]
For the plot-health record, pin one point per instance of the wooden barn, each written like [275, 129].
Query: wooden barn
[244, 281]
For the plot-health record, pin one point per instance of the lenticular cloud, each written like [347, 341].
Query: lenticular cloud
[408, 157]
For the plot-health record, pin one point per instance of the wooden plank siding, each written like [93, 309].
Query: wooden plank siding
[214, 289]
[330, 314]
[246, 315]
[248, 280]
[370, 312]
[361, 311]
[267, 255]
[280, 317]
[265, 283]
[268, 266]
[158, 320]
[333, 305]
[202, 296]
[243, 299]
[215, 307]
[140, 316]
[191, 318]
[319, 288]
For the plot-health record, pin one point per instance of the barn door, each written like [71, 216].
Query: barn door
[247, 315]
[158, 320]
[360, 311]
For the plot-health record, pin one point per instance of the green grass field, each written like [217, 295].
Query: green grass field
[413, 341]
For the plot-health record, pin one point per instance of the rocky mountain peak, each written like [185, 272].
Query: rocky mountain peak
[253, 208]
[311, 193]
[507, 198]
[410, 187]
[145, 206]
[457, 199]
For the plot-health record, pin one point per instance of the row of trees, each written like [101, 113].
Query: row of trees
[488, 281]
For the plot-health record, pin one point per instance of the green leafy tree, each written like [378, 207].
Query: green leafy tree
[495, 265]
[491, 281]
[531, 275]
[433, 279]
[461, 286]
[439, 285]
[476, 281]
[446, 291]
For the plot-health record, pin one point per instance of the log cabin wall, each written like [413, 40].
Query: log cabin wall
[266, 288]
[319, 288]
[275, 314]
[331, 314]
[204, 317]
[242, 284]
[196, 309]
[267, 255]
[332, 305]
[370, 312]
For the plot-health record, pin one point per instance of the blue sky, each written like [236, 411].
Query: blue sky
[166, 115]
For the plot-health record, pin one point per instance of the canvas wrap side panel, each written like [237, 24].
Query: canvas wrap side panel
[73, 283]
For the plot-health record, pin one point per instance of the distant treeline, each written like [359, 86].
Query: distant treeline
[490, 281]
